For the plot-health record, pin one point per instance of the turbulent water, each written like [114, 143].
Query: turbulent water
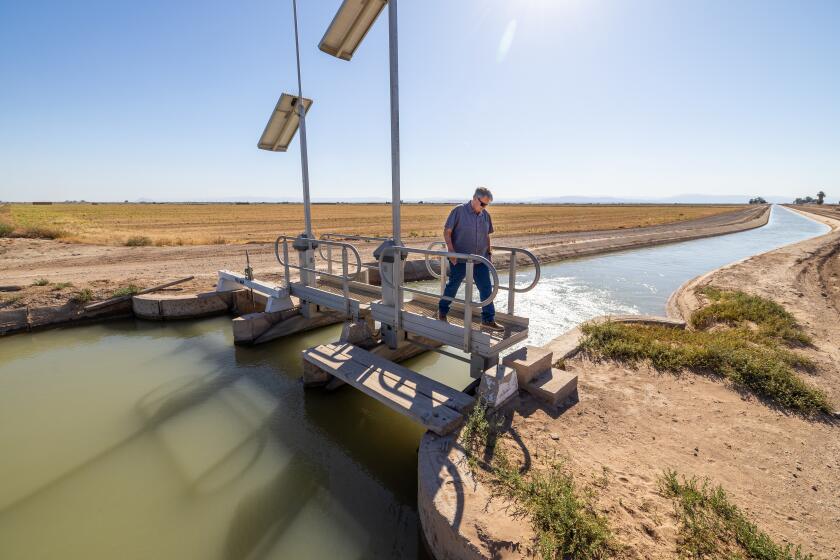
[146, 440]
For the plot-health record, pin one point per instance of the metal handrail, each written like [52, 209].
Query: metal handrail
[512, 263]
[349, 237]
[399, 288]
[445, 254]
[311, 242]
[344, 276]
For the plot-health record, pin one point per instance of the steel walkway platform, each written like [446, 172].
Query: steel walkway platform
[437, 407]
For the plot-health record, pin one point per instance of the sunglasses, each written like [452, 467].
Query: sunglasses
[483, 204]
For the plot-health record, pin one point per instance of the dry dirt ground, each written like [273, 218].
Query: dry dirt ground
[631, 424]
[205, 224]
[103, 269]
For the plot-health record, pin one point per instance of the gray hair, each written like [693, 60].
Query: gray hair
[481, 192]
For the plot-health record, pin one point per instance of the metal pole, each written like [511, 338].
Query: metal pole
[395, 120]
[304, 157]
[511, 281]
[468, 307]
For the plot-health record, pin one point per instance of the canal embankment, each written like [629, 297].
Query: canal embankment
[804, 277]
[628, 424]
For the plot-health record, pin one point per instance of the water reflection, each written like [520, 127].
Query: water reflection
[202, 452]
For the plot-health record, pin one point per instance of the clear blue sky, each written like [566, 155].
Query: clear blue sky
[111, 100]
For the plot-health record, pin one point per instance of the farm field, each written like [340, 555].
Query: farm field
[205, 224]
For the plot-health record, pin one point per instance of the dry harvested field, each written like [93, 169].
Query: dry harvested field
[204, 224]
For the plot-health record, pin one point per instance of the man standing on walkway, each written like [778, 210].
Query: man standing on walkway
[467, 230]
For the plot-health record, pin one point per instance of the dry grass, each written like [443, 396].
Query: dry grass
[199, 224]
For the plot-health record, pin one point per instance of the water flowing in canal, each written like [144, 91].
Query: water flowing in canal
[134, 439]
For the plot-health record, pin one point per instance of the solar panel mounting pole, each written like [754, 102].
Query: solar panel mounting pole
[393, 60]
[304, 156]
[306, 252]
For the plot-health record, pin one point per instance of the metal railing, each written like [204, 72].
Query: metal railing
[511, 287]
[345, 237]
[346, 248]
[395, 283]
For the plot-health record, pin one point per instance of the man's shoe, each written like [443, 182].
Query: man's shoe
[492, 326]
[442, 317]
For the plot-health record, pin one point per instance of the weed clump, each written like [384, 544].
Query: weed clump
[82, 296]
[58, 286]
[563, 516]
[41, 282]
[711, 526]
[129, 290]
[739, 309]
[138, 241]
[756, 359]
[6, 230]
[565, 519]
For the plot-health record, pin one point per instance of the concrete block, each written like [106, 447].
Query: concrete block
[147, 307]
[566, 345]
[358, 333]
[154, 306]
[243, 304]
[553, 386]
[528, 362]
[12, 320]
[48, 315]
[199, 305]
[247, 328]
[275, 305]
[498, 385]
[313, 376]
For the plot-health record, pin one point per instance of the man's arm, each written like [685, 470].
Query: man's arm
[489, 241]
[447, 236]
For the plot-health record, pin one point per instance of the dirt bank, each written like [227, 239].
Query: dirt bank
[103, 269]
[630, 424]
[803, 277]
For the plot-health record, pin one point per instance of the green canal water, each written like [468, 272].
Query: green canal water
[138, 440]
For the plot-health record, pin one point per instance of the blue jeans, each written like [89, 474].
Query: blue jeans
[481, 275]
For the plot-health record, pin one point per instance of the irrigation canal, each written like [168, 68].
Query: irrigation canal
[134, 439]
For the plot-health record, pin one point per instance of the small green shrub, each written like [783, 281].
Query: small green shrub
[565, 519]
[82, 296]
[736, 308]
[750, 349]
[138, 241]
[61, 285]
[476, 432]
[41, 282]
[6, 230]
[764, 370]
[711, 526]
[129, 290]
